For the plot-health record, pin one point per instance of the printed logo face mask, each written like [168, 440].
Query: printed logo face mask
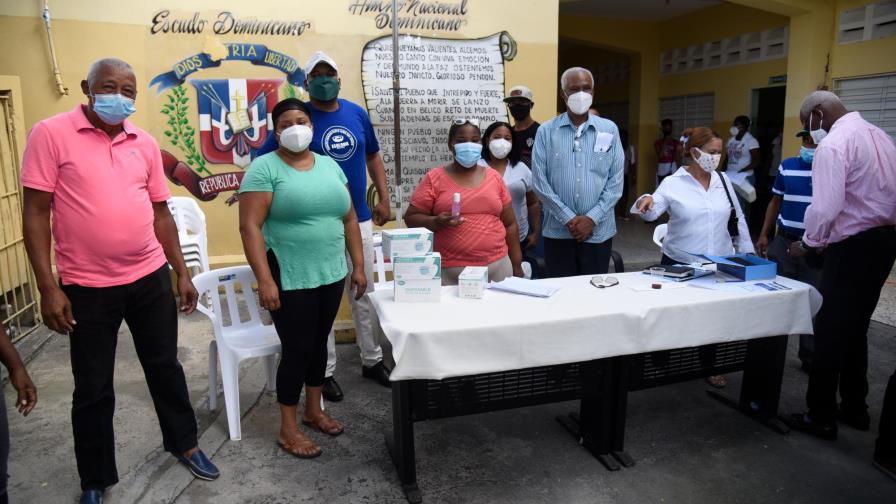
[113, 109]
[817, 134]
[578, 103]
[807, 154]
[467, 153]
[708, 162]
[296, 138]
[324, 88]
[519, 112]
[500, 148]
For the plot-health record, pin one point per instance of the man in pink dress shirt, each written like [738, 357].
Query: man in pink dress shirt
[850, 224]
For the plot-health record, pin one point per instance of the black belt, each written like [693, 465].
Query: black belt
[788, 236]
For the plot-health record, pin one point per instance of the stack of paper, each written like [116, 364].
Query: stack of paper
[526, 287]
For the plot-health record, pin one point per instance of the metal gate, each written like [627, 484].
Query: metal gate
[19, 309]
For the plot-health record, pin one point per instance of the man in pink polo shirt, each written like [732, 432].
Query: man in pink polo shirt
[101, 179]
[851, 223]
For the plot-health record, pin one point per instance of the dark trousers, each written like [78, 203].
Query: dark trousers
[148, 307]
[4, 448]
[886, 438]
[853, 274]
[796, 268]
[566, 258]
[303, 323]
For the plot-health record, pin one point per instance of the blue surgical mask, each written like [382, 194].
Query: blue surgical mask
[807, 154]
[467, 153]
[113, 109]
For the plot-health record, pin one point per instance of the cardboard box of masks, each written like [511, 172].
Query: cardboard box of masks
[418, 278]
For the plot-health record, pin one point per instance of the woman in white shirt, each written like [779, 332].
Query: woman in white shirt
[501, 154]
[698, 204]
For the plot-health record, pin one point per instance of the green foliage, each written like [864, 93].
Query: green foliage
[179, 132]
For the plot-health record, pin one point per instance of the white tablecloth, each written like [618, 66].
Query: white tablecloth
[503, 331]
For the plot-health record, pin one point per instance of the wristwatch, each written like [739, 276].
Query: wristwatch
[802, 246]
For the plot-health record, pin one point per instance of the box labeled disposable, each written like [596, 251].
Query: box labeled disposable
[418, 278]
[746, 267]
[410, 241]
[472, 282]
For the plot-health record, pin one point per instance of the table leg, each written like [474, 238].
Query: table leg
[401, 443]
[760, 391]
[621, 370]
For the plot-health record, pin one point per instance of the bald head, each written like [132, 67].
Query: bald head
[823, 105]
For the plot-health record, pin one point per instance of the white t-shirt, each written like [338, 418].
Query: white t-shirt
[739, 155]
[698, 218]
[518, 179]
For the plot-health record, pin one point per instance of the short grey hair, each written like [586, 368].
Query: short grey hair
[564, 79]
[99, 65]
[817, 98]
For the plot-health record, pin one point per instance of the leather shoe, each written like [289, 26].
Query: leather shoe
[331, 390]
[887, 465]
[860, 421]
[91, 497]
[802, 423]
[378, 373]
[200, 466]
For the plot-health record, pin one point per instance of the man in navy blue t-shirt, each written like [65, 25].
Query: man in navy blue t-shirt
[791, 196]
[342, 130]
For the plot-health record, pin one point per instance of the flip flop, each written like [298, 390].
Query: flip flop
[316, 425]
[293, 448]
[717, 381]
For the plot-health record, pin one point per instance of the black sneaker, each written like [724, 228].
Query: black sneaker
[860, 421]
[331, 390]
[802, 423]
[378, 373]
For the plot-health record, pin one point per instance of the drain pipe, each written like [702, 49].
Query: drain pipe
[57, 75]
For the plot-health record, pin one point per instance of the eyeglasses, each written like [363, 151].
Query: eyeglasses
[604, 282]
[460, 121]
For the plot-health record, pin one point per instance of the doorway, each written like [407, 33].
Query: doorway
[767, 124]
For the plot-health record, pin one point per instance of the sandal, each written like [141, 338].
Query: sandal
[717, 381]
[325, 424]
[294, 446]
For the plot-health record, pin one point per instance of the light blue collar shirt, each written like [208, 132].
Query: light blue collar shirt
[578, 171]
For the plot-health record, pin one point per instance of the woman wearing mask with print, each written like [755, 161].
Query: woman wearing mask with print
[502, 154]
[296, 221]
[702, 205]
[485, 233]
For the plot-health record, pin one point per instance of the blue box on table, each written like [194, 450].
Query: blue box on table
[745, 266]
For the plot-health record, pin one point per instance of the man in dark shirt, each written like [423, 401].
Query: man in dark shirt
[519, 102]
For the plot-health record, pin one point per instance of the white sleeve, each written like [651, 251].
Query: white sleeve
[744, 242]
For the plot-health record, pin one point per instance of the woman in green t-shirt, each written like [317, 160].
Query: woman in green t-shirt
[296, 218]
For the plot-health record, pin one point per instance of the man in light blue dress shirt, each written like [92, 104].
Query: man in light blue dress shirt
[577, 167]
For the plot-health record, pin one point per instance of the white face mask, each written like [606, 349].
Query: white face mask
[578, 103]
[500, 148]
[734, 131]
[296, 138]
[708, 162]
[817, 134]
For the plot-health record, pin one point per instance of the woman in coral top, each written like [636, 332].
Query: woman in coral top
[485, 233]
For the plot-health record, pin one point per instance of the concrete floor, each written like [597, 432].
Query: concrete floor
[688, 447]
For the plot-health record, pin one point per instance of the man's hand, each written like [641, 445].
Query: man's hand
[797, 250]
[27, 397]
[57, 310]
[518, 271]
[761, 246]
[531, 241]
[269, 296]
[359, 283]
[187, 293]
[581, 227]
[382, 212]
[444, 220]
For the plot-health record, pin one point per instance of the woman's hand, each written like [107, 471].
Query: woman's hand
[645, 204]
[359, 282]
[531, 241]
[269, 295]
[444, 220]
[518, 271]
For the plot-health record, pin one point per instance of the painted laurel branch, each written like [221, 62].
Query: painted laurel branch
[179, 131]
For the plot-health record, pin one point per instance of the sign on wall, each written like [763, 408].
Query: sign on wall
[441, 80]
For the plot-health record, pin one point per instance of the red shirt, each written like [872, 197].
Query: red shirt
[482, 238]
[103, 190]
[666, 147]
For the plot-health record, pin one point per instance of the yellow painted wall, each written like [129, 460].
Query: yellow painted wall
[861, 58]
[86, 30]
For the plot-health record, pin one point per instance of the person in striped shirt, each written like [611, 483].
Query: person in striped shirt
[791, 196]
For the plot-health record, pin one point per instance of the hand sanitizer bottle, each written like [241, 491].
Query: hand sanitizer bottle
[455, 206]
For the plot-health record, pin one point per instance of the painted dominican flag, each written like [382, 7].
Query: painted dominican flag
[234, 117]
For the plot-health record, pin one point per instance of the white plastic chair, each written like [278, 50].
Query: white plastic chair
[191, 230]
[379, 260]
[237, 341]
[659, 234]
[527, 270]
